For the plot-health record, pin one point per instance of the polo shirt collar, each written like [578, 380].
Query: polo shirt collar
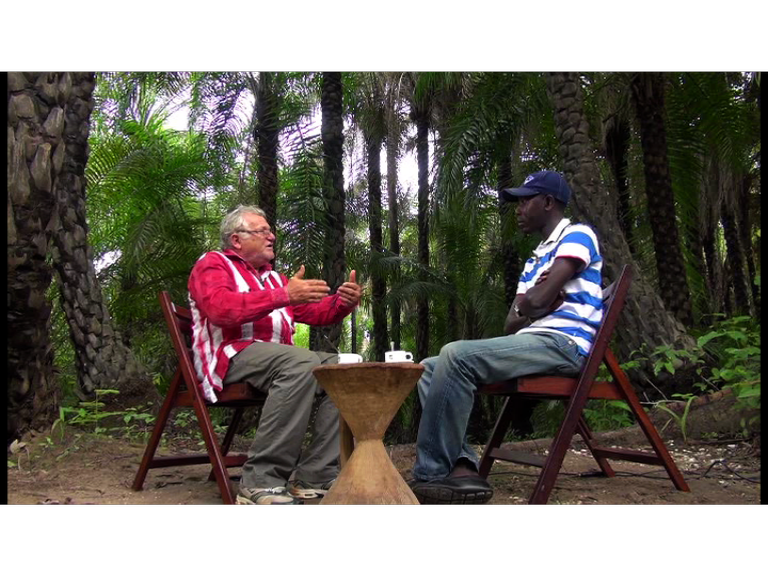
[235, 256]
[543, 247]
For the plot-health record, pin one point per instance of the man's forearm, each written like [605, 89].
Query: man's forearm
[515, 322]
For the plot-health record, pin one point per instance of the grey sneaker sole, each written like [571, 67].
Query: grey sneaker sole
[266, 499]
[307, 493]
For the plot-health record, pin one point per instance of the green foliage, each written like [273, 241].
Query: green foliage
[736, 344]
[91, 416]
[155, 197]
[681, 419]
[601, 415]
[727, 357]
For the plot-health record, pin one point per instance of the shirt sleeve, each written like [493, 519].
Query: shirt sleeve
[329, 310]
[579, 243]
[215, 293]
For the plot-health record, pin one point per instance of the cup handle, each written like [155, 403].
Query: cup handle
[408, 356]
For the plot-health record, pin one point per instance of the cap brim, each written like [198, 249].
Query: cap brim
[512, 194]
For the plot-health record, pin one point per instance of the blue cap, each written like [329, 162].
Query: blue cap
[544, 182]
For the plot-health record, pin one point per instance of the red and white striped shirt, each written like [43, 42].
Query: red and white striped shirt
[234, 305]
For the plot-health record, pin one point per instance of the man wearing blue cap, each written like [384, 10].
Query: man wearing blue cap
[550, 328]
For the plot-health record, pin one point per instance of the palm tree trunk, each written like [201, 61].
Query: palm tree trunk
[103, 361]
[332, 132]
[645, 321]
[422, 158]
[266, 132]
[648, 96]
[616, 151]
[393, 145]
[735, 258]
[745, 231]
[36, 102]
[709, 222]
[378, 282]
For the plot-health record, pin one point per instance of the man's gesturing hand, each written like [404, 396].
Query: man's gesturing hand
[350, 291]
[302, 291]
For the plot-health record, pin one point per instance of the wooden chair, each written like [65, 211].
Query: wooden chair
[576, 392]
[185, 391]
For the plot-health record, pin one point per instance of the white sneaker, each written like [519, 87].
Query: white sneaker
[306, 491]
[277, 495]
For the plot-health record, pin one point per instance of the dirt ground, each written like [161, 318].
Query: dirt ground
[85, 468]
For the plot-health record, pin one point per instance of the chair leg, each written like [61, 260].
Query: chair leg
[645, 423]
[586, 435]
[497, 436]
[557, 450]
[157, 431]
[229, 436]
[214, 452]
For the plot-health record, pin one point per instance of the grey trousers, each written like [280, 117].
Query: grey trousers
[284, 373]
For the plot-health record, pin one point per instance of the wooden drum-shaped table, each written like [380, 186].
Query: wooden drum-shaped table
[368, 396]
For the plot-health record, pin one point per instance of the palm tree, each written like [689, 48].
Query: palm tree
[648, 96]
[646, 322]
[334, 264]
[36, 119]
[421, 105]
[267, 131]
[713, 151]
[369, 115]
[103, 360]
[394, 127]
[616, 141]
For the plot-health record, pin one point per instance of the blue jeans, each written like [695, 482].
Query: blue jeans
[447, 386]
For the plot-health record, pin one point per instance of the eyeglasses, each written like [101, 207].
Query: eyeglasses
[260, 232]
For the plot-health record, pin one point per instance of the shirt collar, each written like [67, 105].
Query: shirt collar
[553, 237]
[234, 255]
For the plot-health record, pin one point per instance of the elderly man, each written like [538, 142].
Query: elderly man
[550, 329]
[243, 314]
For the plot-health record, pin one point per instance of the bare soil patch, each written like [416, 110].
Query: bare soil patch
[85, 468]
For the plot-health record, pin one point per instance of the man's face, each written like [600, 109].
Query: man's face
[531, 213]
[257, 245]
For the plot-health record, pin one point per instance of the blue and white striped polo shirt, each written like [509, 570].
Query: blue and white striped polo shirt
[579, 316]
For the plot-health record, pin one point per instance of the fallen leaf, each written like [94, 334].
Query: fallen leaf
[16, 446]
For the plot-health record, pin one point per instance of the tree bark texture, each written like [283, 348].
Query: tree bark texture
[648, 96]
[378, 282]
[332, 133]
[103, 360]
[735, 256]
[35, 152]
[267, 132]
[709, 223]
[393, 145]
[616, 152]
[745, 235]
[644, 319]
[422, 159]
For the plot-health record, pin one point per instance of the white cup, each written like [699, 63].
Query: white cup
[398, 356]
[350, 358]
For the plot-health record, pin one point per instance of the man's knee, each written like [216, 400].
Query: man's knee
[303, 357]
[453, 352]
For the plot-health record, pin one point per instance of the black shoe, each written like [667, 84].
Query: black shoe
[459, 490]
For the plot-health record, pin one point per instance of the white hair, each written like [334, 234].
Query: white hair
[235, 221]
